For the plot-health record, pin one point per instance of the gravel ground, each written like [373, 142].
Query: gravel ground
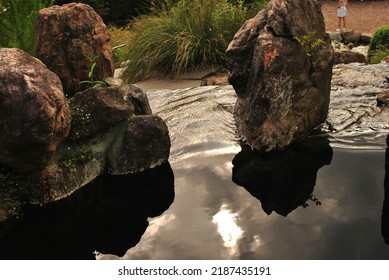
[363, 16]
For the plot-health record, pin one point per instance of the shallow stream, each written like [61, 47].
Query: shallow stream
[322, 198]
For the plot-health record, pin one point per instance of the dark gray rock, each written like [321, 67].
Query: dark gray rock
[215, 79]
[144, 145]
[138, 98]
[335, 36]
[98, 108]
[111, 138]
[283, 86]
[34, 115]
[383, 98]
[351, 36]
[349, 57]
[387, 144]
[366, 38]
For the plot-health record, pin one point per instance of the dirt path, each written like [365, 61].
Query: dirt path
[362, 16]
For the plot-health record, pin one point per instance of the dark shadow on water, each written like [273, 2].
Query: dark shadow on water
[385, 208]
[283, 180]
[109, 215]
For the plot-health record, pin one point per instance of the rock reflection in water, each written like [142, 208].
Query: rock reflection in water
[284, 180]
[108, 215]
[385, 208]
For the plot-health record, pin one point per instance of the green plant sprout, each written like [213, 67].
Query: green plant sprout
[308, 42]
[91, 81]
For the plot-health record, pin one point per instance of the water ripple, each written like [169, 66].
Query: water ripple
[199, 119]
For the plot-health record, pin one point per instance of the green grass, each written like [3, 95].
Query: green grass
[119, 36]
[17, 19]
[185, 36]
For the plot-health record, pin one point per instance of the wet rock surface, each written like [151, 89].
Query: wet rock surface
[383, 98]
[354, 116]
[34, 115]
[49, 150]
[282, 82]
[145, 144]
[107, 138]
[98, 108]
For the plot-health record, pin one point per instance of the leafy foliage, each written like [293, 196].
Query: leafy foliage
[91, 81]
[379, 45]
[17, 19]
[309, 42]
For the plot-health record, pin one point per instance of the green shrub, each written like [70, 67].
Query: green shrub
[378, 55]
[17, 19]
[187, 35]
[379, 45]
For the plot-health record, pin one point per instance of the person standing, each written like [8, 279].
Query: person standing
[342, 13]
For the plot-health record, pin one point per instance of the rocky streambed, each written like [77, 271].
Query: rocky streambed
[191, 197]
[354, 119]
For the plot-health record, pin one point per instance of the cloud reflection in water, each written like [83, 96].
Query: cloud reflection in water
[228, 229]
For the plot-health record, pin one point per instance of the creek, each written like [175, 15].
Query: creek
[322, 198]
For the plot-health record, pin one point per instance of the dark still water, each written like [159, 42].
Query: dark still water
[218, 200]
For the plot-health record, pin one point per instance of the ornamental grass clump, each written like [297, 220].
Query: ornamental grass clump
[17, 18]
[379, 45]
[184, 36]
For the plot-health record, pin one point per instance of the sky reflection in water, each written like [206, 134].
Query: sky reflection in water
[347, 224]
[216, 200]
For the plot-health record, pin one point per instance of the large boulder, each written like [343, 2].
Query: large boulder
[144, 145]
[69, 39]
[97, 109]
[351, 36]
[112, 132]
[280, 66]
[349, 57]
[138, 98]
[34, 115]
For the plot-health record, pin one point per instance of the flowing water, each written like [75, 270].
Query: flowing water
[322, 198]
